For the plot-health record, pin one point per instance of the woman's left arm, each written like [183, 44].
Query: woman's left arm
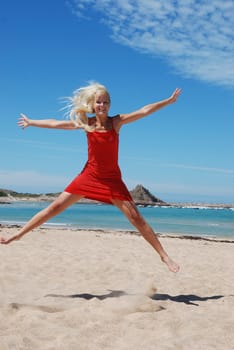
[147, 110]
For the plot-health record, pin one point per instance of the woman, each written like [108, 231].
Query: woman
[101, 177]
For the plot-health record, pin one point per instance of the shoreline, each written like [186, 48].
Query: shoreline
[169, 235]
[193, 205]
[213, 224]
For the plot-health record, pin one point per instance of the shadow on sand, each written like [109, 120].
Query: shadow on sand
[189, 299]
[88, 296]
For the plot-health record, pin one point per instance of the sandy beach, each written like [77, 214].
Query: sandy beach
[64, 289]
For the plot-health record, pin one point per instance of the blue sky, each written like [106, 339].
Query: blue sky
[141, 50]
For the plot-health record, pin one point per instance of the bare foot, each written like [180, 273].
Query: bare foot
[173, 267]
[9, 240]
[3, 240]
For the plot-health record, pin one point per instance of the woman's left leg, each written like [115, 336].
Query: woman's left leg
[130, 210]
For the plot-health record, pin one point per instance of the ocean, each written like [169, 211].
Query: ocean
[203, 221]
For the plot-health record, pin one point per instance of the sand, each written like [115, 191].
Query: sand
[64, 289]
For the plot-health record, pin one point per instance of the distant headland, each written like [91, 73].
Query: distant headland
[141, 196]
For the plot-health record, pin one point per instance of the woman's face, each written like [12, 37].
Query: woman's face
[101, 104]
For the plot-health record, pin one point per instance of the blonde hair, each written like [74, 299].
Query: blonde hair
[82, 102]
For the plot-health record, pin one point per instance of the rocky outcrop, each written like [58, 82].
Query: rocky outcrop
[142, 196]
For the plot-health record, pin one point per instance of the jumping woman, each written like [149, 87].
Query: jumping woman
[100, 178]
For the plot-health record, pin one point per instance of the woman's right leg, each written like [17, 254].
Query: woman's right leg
[63, 201]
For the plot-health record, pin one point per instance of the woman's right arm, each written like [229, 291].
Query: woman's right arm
[25, 122]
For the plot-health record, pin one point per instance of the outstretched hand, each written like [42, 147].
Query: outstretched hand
[23, 121]
[175, 95]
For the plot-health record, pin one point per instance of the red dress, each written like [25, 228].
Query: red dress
[101, 178]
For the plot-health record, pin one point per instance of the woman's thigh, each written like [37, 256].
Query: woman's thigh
[64, 200]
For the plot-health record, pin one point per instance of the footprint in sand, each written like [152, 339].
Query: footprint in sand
[43, 308]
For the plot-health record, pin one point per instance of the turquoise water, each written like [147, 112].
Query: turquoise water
[185, 221]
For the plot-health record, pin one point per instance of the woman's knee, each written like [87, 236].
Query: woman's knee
[136, 219]
[55, 207]
[134, 215]
[131, 212]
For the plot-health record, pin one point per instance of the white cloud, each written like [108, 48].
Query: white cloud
[202, 168]
[42, 145]
[31, 181]
[196, 37]
[151, 161]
